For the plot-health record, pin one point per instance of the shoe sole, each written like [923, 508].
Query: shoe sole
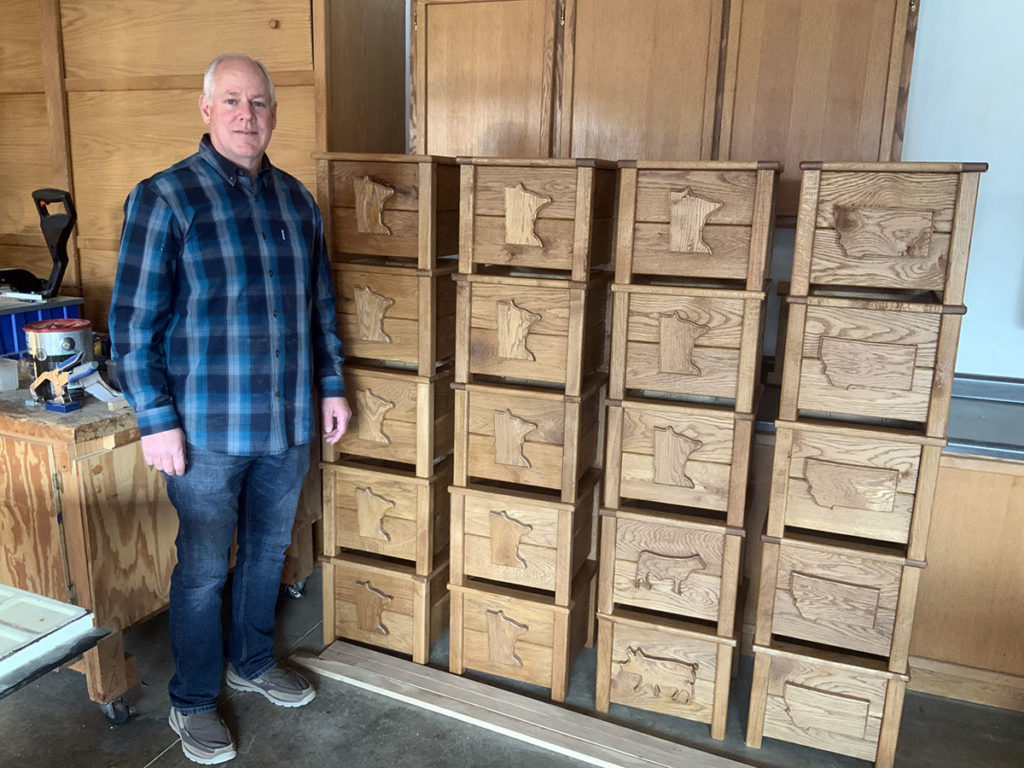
[196, 757]
[240, 684]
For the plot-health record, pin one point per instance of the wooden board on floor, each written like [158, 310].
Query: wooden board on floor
[520, 717]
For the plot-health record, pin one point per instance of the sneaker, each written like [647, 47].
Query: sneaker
[284, 687]
[204, 737]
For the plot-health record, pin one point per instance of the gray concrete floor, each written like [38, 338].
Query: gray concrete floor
[52, 723]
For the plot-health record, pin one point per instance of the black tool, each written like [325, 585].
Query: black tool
[56, 230]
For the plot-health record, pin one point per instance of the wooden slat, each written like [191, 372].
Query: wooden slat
[593, 741]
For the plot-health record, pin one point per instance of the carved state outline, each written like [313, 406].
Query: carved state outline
[689, 216]
[372, 410]
[370, 197]
[506, 536]
[514, 324]
[818, 598]
[370, 311]
[883, 233]
[672, 450]
[371, 512]
[677, 337]
[502, 635]
[851, 363]
[370, 603]
[510, 433]
[521, 210]
[833, 484]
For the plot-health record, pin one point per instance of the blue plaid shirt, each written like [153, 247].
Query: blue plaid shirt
[222, 316]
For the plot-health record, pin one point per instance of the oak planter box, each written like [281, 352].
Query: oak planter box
[821, 592]
[695, 343]
[523, 539]
[404, 207]
[528, 329]
[526, 436]
[679, 455]
[387, 512]
[869, 360]
[854, 481]
[826, 701]
[398, 417]
[539, 214]
[664, 666]
[707, 221]
[521, 635]
[900, 226]
[384, 604]
[396, 315]
[677, 565]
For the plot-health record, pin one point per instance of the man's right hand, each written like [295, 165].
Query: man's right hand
[165, 451]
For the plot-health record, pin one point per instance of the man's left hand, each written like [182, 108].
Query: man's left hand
[336, 415]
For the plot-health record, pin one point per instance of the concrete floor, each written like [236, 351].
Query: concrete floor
[52, 724]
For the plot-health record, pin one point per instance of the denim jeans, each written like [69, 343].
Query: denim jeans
[217, 493]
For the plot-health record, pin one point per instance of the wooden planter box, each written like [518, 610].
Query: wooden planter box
[384, 604]
[387, 512]
[540, 214]
[677, 565]
[901, 226]
[523, 539]
[520, 635]
[833, 595]
[664, 666]
[854, 481]
[826, 701]
[696, 221]
[520, 329]
[526, 436]
[398, 417]
[868, 360]
[391, 315]
[679, 455]
[686, 342]
[399, 206]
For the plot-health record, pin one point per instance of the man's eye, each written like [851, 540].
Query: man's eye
[259, 104]
[232, 102]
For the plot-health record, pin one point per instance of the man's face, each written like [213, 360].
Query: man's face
[240, 115]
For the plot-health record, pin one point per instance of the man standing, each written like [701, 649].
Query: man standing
[222, 321]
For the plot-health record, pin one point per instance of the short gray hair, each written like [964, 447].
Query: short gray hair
[211, 73]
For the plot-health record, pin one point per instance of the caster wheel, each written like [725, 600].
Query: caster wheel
[116, 712]
[295, 590]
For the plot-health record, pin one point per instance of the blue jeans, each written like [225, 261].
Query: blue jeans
[217, 493]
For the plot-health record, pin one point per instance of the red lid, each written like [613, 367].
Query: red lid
[59, 325]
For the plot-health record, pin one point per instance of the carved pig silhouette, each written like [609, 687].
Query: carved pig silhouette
[666, 567]
[643, 675]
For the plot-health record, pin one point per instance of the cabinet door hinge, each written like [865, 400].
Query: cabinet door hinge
[415, 20]
[561, 13]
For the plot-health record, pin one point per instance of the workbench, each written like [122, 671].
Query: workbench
[84, 520]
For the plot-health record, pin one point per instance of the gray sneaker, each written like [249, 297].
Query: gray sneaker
[204, 737]
[284, 687]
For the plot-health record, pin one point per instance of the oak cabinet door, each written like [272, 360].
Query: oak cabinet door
[814, 80]
[640, 79]
[483, 77]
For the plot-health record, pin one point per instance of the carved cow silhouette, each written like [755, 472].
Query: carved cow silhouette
[676, 569]
[650, 676]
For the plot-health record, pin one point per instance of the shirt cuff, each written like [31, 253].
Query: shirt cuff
[157, 420]
[332, 386]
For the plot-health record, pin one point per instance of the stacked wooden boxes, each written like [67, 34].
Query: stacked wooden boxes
[874, 317]
[392, 223]
[530, 339]
[693, 253]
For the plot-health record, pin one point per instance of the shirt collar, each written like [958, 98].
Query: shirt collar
[229, 170]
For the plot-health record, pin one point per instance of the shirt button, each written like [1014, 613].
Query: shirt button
[275, 313]
[270, 273]
[277, 353]
[277, 393]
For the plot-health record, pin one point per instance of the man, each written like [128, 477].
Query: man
[221, 321]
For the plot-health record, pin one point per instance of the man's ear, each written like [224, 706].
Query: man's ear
[204, 108]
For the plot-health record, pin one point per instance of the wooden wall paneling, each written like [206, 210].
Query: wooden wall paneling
[483, 77]
[21, 62]
[813, 80]
[366, 72]
[24, 166]
[132, 39]
[640, 79]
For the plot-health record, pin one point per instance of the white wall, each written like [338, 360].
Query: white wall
[967, 104]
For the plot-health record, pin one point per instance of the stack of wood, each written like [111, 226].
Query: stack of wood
[530, 344]
[694, 241]
[875, 308]
[392, 223]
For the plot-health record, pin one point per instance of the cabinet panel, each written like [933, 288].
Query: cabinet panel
[119, 138]
[640, 78]
[132, 38]
[483, 78]
[21, 61]
[24, 162]
[812, 81]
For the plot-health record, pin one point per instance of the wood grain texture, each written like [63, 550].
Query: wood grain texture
[806, 81]
[671, 46]
[472, 50]
[120, 38]
[24, 164]
[21, 60]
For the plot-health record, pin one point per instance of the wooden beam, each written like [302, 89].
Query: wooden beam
[576, 735]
